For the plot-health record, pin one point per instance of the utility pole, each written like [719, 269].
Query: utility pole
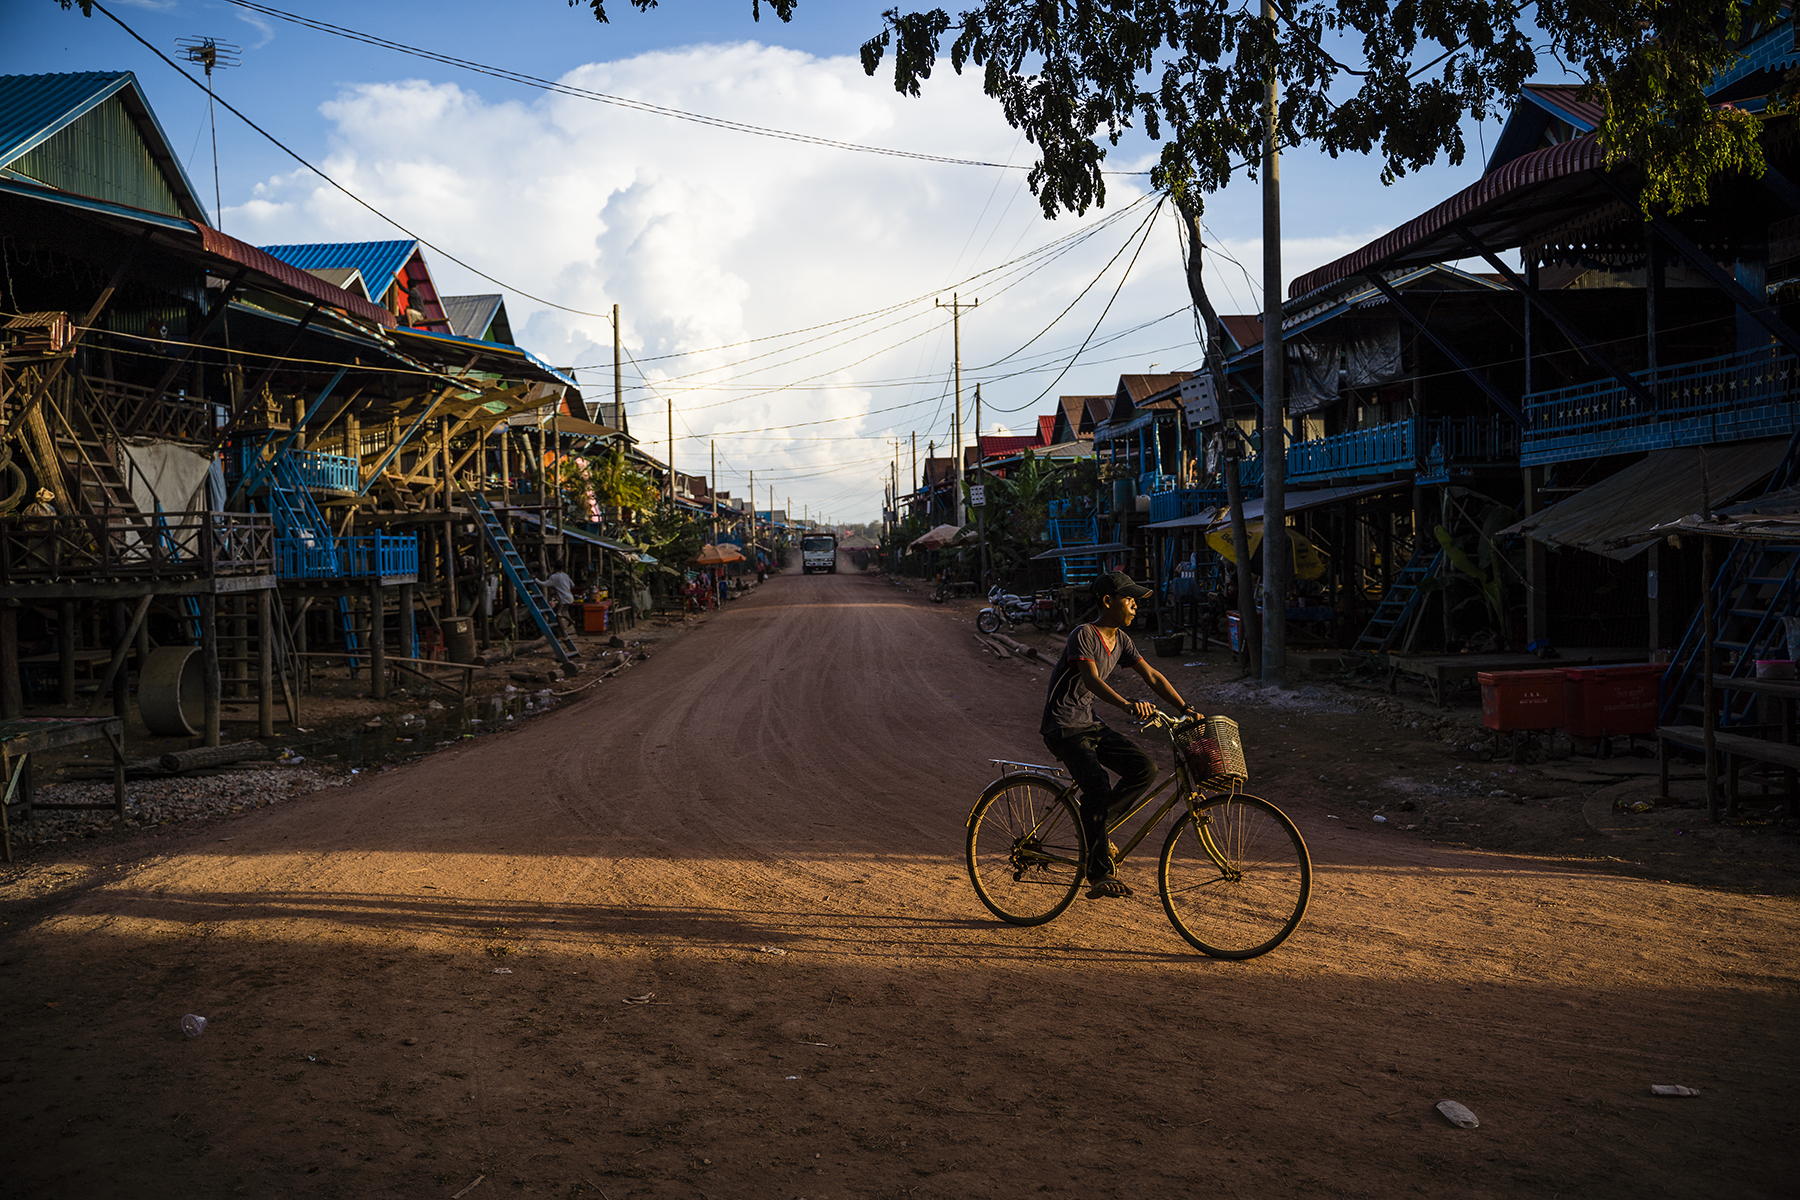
[981, 509]
[753, 510]
[1277, 562]
[618, 375]
[915, 460]
[712, 485]
[671, 452]
[956, 306]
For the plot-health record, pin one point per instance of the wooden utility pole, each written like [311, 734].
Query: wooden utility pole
[981, 510]
[618, 374]
[1277, 561]
[671, 452]
[712, 485]
[956, 306]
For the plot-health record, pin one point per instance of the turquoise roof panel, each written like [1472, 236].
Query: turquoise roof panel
[378, 262]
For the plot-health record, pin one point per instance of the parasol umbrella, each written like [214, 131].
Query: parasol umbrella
[714, 556]
[1309, 561]
[937, 538]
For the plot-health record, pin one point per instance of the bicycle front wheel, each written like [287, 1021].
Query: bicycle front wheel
[1235, 877]
[1025, 849]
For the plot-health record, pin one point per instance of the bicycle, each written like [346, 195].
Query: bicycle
[1234, 875]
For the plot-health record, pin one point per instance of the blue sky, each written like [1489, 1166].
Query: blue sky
[708, 238]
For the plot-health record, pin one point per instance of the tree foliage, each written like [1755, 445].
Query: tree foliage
[1391, 78]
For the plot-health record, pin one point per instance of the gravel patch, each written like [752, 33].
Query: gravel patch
[151, 802]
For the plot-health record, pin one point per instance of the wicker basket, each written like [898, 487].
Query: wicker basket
[1214, 754]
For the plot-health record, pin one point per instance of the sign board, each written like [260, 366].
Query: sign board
[1200, 401]
[977, 495]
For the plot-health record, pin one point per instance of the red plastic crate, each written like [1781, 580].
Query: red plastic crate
[1521, 699]
[1599, 701]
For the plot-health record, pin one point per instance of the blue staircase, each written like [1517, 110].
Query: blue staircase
[513, 567]
[1759, 583]
[1078, 570]
[1395, 612]
[352, 639]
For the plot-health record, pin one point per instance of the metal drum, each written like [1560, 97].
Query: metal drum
[172, 692]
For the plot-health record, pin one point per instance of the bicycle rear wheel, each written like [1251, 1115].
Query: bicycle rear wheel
[1235, 877]
[1025, 849]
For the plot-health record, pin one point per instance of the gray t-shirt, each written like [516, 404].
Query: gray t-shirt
[1070, 705]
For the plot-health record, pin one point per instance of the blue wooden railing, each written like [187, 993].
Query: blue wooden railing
[1183, 502]
[1374, 451]
[315, 472]
[1748, 394]
[303, 555]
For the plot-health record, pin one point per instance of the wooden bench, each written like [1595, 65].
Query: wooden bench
[1735, 747]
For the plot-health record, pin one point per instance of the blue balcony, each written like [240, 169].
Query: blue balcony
[1182, 502]
[316, 472]
[1730, 398]
[1458, 446]
[303, 555]
[1378, 450]
[1250, 475]
[1151, 483]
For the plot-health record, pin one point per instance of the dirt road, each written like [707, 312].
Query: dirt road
[422, 979]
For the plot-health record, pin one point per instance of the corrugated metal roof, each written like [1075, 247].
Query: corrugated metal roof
[34, 108]
[470, 316]
[243, 252]
[1520, 175]
[379, 262]
[1615, 517]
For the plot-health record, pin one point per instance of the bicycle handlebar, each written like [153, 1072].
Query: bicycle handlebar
[1159, 719]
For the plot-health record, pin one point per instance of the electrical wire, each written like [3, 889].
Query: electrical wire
[643, 106]
[293, 154]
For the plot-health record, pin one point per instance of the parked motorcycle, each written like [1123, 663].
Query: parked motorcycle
[1038, 609]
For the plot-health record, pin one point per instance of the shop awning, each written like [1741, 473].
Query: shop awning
[1295, 502]
[630, 552]
[1078, 551]
[1617, 517]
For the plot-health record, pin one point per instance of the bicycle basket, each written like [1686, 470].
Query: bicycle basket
[1213, 752]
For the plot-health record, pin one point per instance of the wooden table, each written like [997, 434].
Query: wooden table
[22, 738]
[1438, 671]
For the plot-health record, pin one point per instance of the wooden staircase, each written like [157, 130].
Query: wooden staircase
[1388, 624]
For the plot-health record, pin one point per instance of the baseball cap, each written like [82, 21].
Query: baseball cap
[1117, 583]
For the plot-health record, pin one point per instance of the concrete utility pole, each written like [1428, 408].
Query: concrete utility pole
[915, 460]
[1277, 561]
[753, 510]
[956, 306]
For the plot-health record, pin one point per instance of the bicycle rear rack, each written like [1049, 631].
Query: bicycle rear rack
[1016, 765]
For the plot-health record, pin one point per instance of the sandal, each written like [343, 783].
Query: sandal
[1107, 887]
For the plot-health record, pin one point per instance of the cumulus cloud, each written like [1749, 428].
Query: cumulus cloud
[708, 238]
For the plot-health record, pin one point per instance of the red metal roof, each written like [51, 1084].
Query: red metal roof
[226, 246]
[1522, 174]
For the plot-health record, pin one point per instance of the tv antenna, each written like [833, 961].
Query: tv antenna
[213, 55]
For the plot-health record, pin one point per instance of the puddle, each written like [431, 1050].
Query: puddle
[422, 730]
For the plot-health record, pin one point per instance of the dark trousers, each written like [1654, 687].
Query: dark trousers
[1089, 754]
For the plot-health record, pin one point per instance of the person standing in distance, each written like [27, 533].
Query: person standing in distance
[1083, 742]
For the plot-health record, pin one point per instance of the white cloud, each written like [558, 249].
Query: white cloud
[708, 237]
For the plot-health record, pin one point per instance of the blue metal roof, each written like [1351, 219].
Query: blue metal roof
[33, 108]
[378, 262]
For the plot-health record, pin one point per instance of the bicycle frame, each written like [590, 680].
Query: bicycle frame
[1183, 791]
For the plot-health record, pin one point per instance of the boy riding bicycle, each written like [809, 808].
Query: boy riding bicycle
[1085, 744]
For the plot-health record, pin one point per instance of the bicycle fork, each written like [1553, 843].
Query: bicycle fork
[1203, 831]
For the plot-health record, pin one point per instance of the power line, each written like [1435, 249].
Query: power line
[283, 147]
[661, 110]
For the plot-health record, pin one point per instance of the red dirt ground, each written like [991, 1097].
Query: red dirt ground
[420, 979]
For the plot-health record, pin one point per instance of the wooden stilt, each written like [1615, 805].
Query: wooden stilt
[377, 643]
[209, 666]
[121, 638]
[409, 634]
[65, 653]
[12, 696]
[265, 663]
